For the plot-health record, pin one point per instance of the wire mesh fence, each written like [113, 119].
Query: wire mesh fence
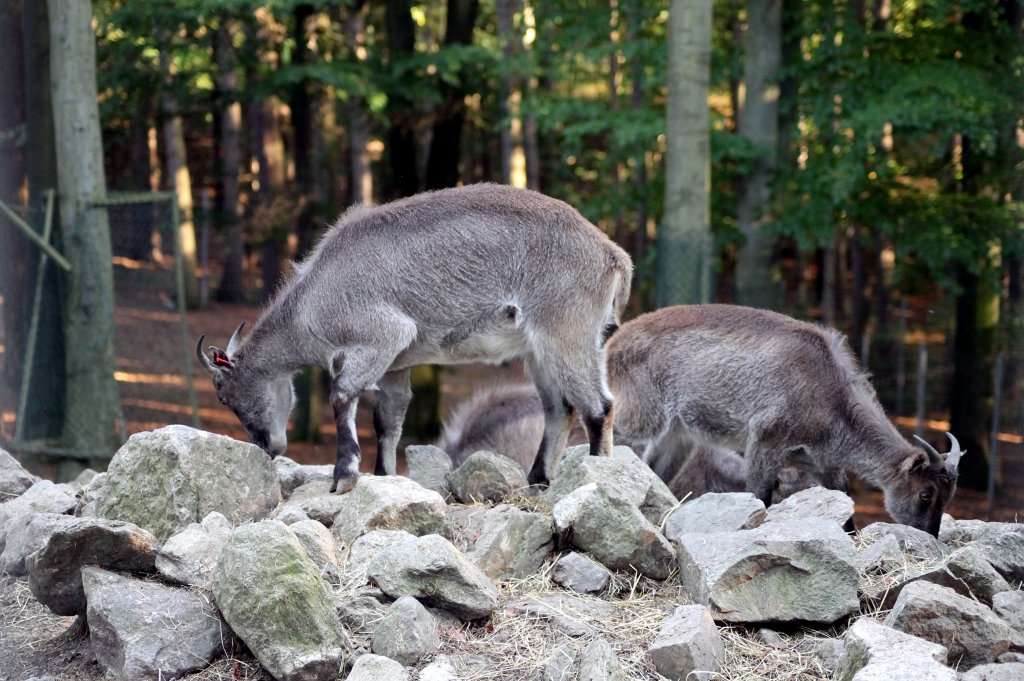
[153, 370]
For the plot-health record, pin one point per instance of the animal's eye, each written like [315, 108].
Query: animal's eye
[926, 496]
[223, 401]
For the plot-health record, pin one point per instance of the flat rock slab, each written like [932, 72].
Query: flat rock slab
[814, 502]
[147, 630]
[715, 512]
[54, 571]
[599, 520]
[271, 595]
[687, 643]
[972, 633]
[166, 479]
[387, 503]
[966, 571]
[581, 574]
[1005, 551]
[437, 574]
[914, 542]
[956, 532]
[312, 500]
[632, 478]
[377, 668]
[868, 642]
[190, 556]
[487, 477]
[571, 615]
[804, 571]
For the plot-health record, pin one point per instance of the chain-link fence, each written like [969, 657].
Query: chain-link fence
[153, 364]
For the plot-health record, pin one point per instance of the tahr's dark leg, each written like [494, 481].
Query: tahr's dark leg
[346, 468]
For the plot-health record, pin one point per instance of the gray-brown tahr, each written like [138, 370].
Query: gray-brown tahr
[509, 420]
[769, 385]
[478, 273]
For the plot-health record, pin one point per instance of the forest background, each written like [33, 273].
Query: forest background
[855, 163]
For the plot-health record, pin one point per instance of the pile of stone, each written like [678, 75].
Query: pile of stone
[194, 546]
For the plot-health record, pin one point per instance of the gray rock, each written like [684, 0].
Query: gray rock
[440, 669]
[581, 574]
[432, 570]
[688, 642]
[365, 548]
[779, 572]
[360, 613]
[632, 478]
[27, 533]
[965, 571]
[569, 614]
[959, 532]
[487, 477]
[377, 668]
[882, 556]
[190, 556]
[1009, 605]
[560, 666]
[829, 651]
[271, 595]
[42, 497]
[168, 478]
[89, 496]
[429, 467]
[319, 546]
[1012, 671]
[868, 643]
[146, 630]
[1010, 657]
[1005, 551]
[915, 543]
[508, 542]
[904, 670]
[387, 503]
[312, 500]
[814, 502]
[598, 663]
[407, 633]
[604, 523]
[292, 475]
[715, 512]
[14, 479]
[972, 633]
[54, 571]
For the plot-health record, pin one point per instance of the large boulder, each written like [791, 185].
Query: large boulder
[387, 503]
[687, 643]
[435, 572]
[190, 556]
[407, 633]
[487, 477]
[507, 542]
[873, 650]
[14, 479]
[1010, 606]
[966, 571]
[972, 633]
[145, 630]
[632, 478]
[715, 512]
[813, 502]
[1005, 551]
[168, 478]
[54, 571]
[779, 572]
[271, 595]
[607, 525]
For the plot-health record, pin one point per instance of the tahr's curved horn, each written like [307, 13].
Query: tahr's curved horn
[934, 458]
[204, 361]
[233, 343]
[953, 458]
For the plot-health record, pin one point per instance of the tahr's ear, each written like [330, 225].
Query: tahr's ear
[917, 464]
[220, 358]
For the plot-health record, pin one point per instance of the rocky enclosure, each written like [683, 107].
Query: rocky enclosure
[194, 547]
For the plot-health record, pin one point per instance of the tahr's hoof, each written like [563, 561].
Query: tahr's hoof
[344, 485]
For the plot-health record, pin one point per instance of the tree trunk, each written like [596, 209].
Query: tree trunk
[358, 122]
[179, 179]
[684, 237]
[446, 142]
[758, 122]
[513, 159]
[232, 282]
[44, 410]
[401, 167]
[92, 395]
